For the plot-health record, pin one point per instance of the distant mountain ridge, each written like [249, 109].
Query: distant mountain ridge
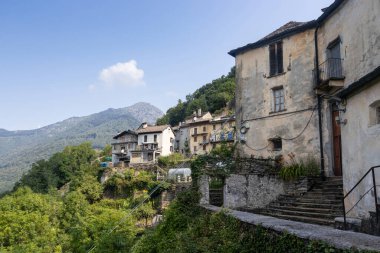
[19, 149]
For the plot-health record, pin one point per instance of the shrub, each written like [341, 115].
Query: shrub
[295, 169]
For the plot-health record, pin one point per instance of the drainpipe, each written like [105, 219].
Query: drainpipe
[319, 98]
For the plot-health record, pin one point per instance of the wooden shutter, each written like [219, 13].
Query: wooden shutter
[280, 67]
[272, 59]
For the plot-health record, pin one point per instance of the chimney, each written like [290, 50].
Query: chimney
[199, 112]
[144, 125]
[194, 113]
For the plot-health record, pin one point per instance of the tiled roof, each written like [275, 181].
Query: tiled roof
[124, 133]
[286, 30]
[289, 29]
[152, 129]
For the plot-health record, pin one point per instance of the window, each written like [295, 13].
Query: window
[278, 99]
[195, 130]
[275, 59]
[204, 138]
[155, 138]
[276, 144]
[122, 149]
[195, 139]
[374, 113]
[204, 147]
[213, 127]
[145, 138]
[171, 148]
[204, 129]
[195, 148]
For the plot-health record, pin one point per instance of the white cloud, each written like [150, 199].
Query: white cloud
[122, 74]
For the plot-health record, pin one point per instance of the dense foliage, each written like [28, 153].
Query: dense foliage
[211, 97]
[171, 160]
[189, 228]
[39, 217]
[72, 163]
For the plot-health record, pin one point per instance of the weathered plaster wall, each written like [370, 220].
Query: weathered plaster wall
[251, 191]
[254, 99]
[357, 24]
[203, 183]
[236, 191]
[167, 142]
[361, 148]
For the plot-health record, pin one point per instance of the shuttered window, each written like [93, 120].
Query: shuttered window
[275, 59]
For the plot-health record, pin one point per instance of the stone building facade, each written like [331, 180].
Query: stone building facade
[313, 88]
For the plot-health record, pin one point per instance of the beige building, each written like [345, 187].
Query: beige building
[275, 98]
[287, 106]
[199, 133]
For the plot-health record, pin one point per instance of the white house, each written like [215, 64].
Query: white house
[152, 142]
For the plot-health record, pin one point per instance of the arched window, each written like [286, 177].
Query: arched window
[374, 113]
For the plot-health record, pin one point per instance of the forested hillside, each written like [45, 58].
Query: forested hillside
[211, 97]
[19, 149]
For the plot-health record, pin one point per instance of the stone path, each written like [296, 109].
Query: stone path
[337, 238]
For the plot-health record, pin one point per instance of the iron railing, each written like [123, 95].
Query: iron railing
[372, 171]
[331, 69]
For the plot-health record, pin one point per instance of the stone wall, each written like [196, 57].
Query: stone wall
[254, 191]
[203, 183]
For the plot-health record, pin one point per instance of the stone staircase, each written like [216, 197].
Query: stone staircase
[320, 205]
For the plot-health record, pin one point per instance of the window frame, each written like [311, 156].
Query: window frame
[276, 58]
[278, 98]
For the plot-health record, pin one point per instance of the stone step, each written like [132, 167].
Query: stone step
[327, 191]
[285, 211]
[317, 195]
[317, 205]
[319, 221]
[306, 209]
[319, 201]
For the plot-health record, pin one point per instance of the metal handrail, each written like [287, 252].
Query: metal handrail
[372, 169]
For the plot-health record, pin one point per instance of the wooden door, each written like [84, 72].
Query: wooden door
[337, 144]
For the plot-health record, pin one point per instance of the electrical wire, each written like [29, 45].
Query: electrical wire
[303, 130]
[283, 138]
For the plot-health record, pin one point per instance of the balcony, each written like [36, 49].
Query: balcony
[147, 147]
[330, 75]
[199, 133]
[221, 137]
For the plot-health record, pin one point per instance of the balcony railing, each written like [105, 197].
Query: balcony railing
[331, 69]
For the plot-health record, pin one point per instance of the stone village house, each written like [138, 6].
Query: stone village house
[202, 132]
[142, 146]
[313, 88]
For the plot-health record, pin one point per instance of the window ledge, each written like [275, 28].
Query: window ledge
[278, 74]
[277, 112]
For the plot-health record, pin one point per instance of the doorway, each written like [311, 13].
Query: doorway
[337, 142]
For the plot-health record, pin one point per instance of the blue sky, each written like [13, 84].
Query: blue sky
[67, 58]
